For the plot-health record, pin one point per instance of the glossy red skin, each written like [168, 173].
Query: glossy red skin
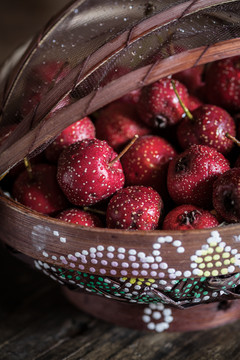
[193, 103]
[80, 217]
[159, 99]
[131, 97]
[41, 193]
[226, 195]
[118, 123]
[146, 162]
[191, 78]
[209, 125]
[191, 175]
[180, 218]
[84, 173]
[80, 130]
[223, 83]
[134, 208]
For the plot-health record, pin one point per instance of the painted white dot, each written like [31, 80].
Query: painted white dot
[111, 248]
[135, 265]
[144, 273]
[177, 243]
[110, 255]
[180, 250]
[54, 257]
[187, 273]
[124, 273]
[146, 318]
[56, 233]
[205, 298]
[147, 311]
[121, 256]
[231, 268]
[63, 240]
[163, 266]
[45, 254]
[92, 269]
[121, 250]
[158, 259]
[156, 252]
[132, 252]
[85, 252]
[156, 315]
[92, 250]
[156, 246]
[100, 248]
[151, 326]
[113, 272]
[132, 258]
[125, 265]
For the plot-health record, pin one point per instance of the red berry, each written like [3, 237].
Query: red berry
[85, 172]
[193, 103]
[80, 217]
[40, 192]
[118, 123]
[188, 217]
[223, 83]
[158, 105]
[226, 195]
[208, 127]
[191, 78]
[80, 130]
[191, 175]
[135, 208]
[146, 162]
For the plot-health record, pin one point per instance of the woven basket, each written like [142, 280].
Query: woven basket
[164, 271]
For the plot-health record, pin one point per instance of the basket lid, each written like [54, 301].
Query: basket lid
[93, 52]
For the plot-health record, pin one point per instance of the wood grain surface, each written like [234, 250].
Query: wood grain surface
[36, 321]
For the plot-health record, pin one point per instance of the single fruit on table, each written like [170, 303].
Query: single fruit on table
[135, 208]
[146, 163]
[87, 173]
[117, 123]
[158, 105]
[188, 217]
[80, 217]
[191, 175]
[192, 78]
[40, 191]
[226, 195]
[223, 83]
[80, 130]
[208, 126]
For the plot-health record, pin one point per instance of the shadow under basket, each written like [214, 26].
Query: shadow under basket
[175, 281]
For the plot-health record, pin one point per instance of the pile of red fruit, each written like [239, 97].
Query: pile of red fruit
[182, 171]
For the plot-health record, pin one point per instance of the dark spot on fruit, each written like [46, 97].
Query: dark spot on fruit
[188, 217]
[182, 164]
[229, 202]
[159, 121]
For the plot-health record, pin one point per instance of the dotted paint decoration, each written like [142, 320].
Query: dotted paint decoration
[140, 290]
[157, 317]
[215, 254]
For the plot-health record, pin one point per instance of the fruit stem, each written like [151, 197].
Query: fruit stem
[124, 150]
[28, 167]
[95, 211]
[229, 136]
[187, 112]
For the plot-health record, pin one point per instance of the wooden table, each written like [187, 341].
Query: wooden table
[36, 321]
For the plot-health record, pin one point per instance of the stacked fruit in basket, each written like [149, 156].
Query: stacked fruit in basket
[161, 157]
